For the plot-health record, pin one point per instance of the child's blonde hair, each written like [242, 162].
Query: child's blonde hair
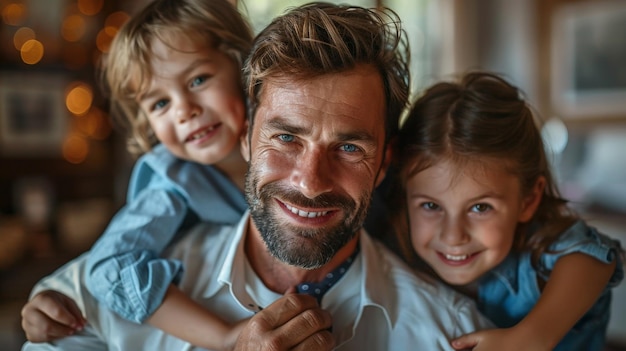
[126, 70]
[482, 118]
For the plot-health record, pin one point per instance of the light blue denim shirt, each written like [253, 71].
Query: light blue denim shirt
[124, 269]
[508, 293]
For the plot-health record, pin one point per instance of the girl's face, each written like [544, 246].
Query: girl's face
[463, 220]
[193, 100]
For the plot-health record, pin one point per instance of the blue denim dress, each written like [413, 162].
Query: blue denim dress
[508, 293]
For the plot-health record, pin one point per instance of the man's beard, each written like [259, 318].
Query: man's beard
[306, 248]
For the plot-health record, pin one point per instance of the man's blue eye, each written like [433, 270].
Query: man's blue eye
[286, 138]
[349, 148]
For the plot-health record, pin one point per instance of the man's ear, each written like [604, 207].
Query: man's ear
[244, 144]
[386, 163]
[532, 200]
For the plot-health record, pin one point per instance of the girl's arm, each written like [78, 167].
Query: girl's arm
[575, 284]
[184, 318]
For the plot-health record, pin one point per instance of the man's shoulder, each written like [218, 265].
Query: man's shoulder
[419, 303]
[415, 291]
[402, 278]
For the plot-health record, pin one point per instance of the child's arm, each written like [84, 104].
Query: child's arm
[184, 318]
[51, 315]
[556, 311]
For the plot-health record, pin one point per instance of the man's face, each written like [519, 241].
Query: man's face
[315, 155]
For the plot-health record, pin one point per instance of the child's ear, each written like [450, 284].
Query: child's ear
[244, 144]
[532, 200]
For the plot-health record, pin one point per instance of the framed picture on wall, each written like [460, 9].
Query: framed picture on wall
[589, 59]
[33, 117]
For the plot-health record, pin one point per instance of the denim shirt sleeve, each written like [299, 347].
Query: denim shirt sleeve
[587, 240]
[124, 270]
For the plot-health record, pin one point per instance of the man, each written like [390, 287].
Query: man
[326, 85]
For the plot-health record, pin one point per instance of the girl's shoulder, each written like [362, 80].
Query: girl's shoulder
[585, 239]
[581, 237]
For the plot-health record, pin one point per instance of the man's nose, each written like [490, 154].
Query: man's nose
[311, 175]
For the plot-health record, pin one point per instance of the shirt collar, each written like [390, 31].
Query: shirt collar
[368, 272]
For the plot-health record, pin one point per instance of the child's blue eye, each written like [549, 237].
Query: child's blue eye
[159, 104]
[287, 138]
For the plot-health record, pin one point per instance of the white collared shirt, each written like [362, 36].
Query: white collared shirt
[379, 304]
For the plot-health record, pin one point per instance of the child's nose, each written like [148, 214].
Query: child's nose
[186, 110]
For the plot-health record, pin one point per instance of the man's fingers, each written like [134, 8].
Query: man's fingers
[323, 340]
[286, 308]
[293, 322]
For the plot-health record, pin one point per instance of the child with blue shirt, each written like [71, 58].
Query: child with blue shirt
[174, 74]
[476, 205]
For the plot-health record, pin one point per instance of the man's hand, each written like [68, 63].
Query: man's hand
[51, 315]
[293, 322]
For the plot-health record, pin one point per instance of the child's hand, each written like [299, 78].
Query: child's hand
[231, 337]
[51, 315]
[511, 339]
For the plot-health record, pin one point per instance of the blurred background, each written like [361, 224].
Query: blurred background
[64, 168]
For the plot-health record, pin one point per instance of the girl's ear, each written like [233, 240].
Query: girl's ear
[244, 144]
[532, 200]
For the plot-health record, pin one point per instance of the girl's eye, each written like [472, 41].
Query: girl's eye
[430, 206]
[198, 80]
[481, 208]
[286, 138]
[349, 148]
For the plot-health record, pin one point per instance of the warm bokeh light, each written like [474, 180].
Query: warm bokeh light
[31, 52]
[90, 7]
[75, 56]
[75, 149]
[111, 31]
[79, 98]
[94, 124]
[103, 41]
[73, 28]
[112, 24]
[21, 36]
[13, 14]
[116, 19]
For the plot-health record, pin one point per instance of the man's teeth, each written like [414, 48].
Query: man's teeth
[456, 258]
[305, 213]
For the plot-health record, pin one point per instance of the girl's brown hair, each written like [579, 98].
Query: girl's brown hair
[482, 117]
[126, 69]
